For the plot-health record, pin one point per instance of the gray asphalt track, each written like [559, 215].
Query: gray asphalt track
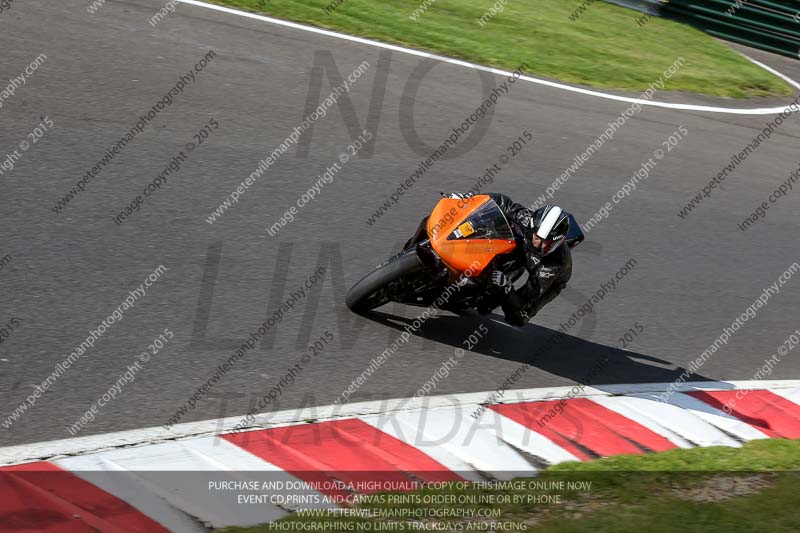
[693, 276]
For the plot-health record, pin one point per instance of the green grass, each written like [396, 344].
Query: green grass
[604, 48]
[754, 488]
[754, 456]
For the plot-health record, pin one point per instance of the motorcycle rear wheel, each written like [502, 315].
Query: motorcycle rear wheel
[374, 289]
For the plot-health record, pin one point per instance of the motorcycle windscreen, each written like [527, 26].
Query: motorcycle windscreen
[467, 234]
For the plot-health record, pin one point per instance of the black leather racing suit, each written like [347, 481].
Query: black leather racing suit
[548, 275]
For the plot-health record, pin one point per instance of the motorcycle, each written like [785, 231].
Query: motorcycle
[452, 248]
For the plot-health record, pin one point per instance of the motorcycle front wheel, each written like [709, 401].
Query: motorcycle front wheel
[377, 288]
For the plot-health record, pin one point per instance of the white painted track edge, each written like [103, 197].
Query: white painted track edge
[54, 449]
[474, 66]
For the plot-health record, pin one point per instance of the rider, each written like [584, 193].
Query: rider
[541, 234]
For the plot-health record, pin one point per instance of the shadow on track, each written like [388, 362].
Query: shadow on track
[549, 350]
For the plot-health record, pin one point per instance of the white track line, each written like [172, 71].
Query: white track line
[771, 70]
[410, 51]
[80, 445]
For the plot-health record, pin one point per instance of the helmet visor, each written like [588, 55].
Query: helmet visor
[544, 246]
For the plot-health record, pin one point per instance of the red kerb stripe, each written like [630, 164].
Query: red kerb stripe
[585, 428]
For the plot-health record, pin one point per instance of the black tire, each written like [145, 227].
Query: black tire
[370, 292]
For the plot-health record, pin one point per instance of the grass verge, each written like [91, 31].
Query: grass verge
[604, 47]
[753, 488]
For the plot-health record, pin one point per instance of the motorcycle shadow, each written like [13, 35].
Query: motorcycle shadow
[549, 350]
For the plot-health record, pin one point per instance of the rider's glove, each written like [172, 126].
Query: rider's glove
[459, 195]
[501, 281]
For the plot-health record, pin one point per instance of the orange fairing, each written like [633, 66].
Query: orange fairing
[468, 233]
